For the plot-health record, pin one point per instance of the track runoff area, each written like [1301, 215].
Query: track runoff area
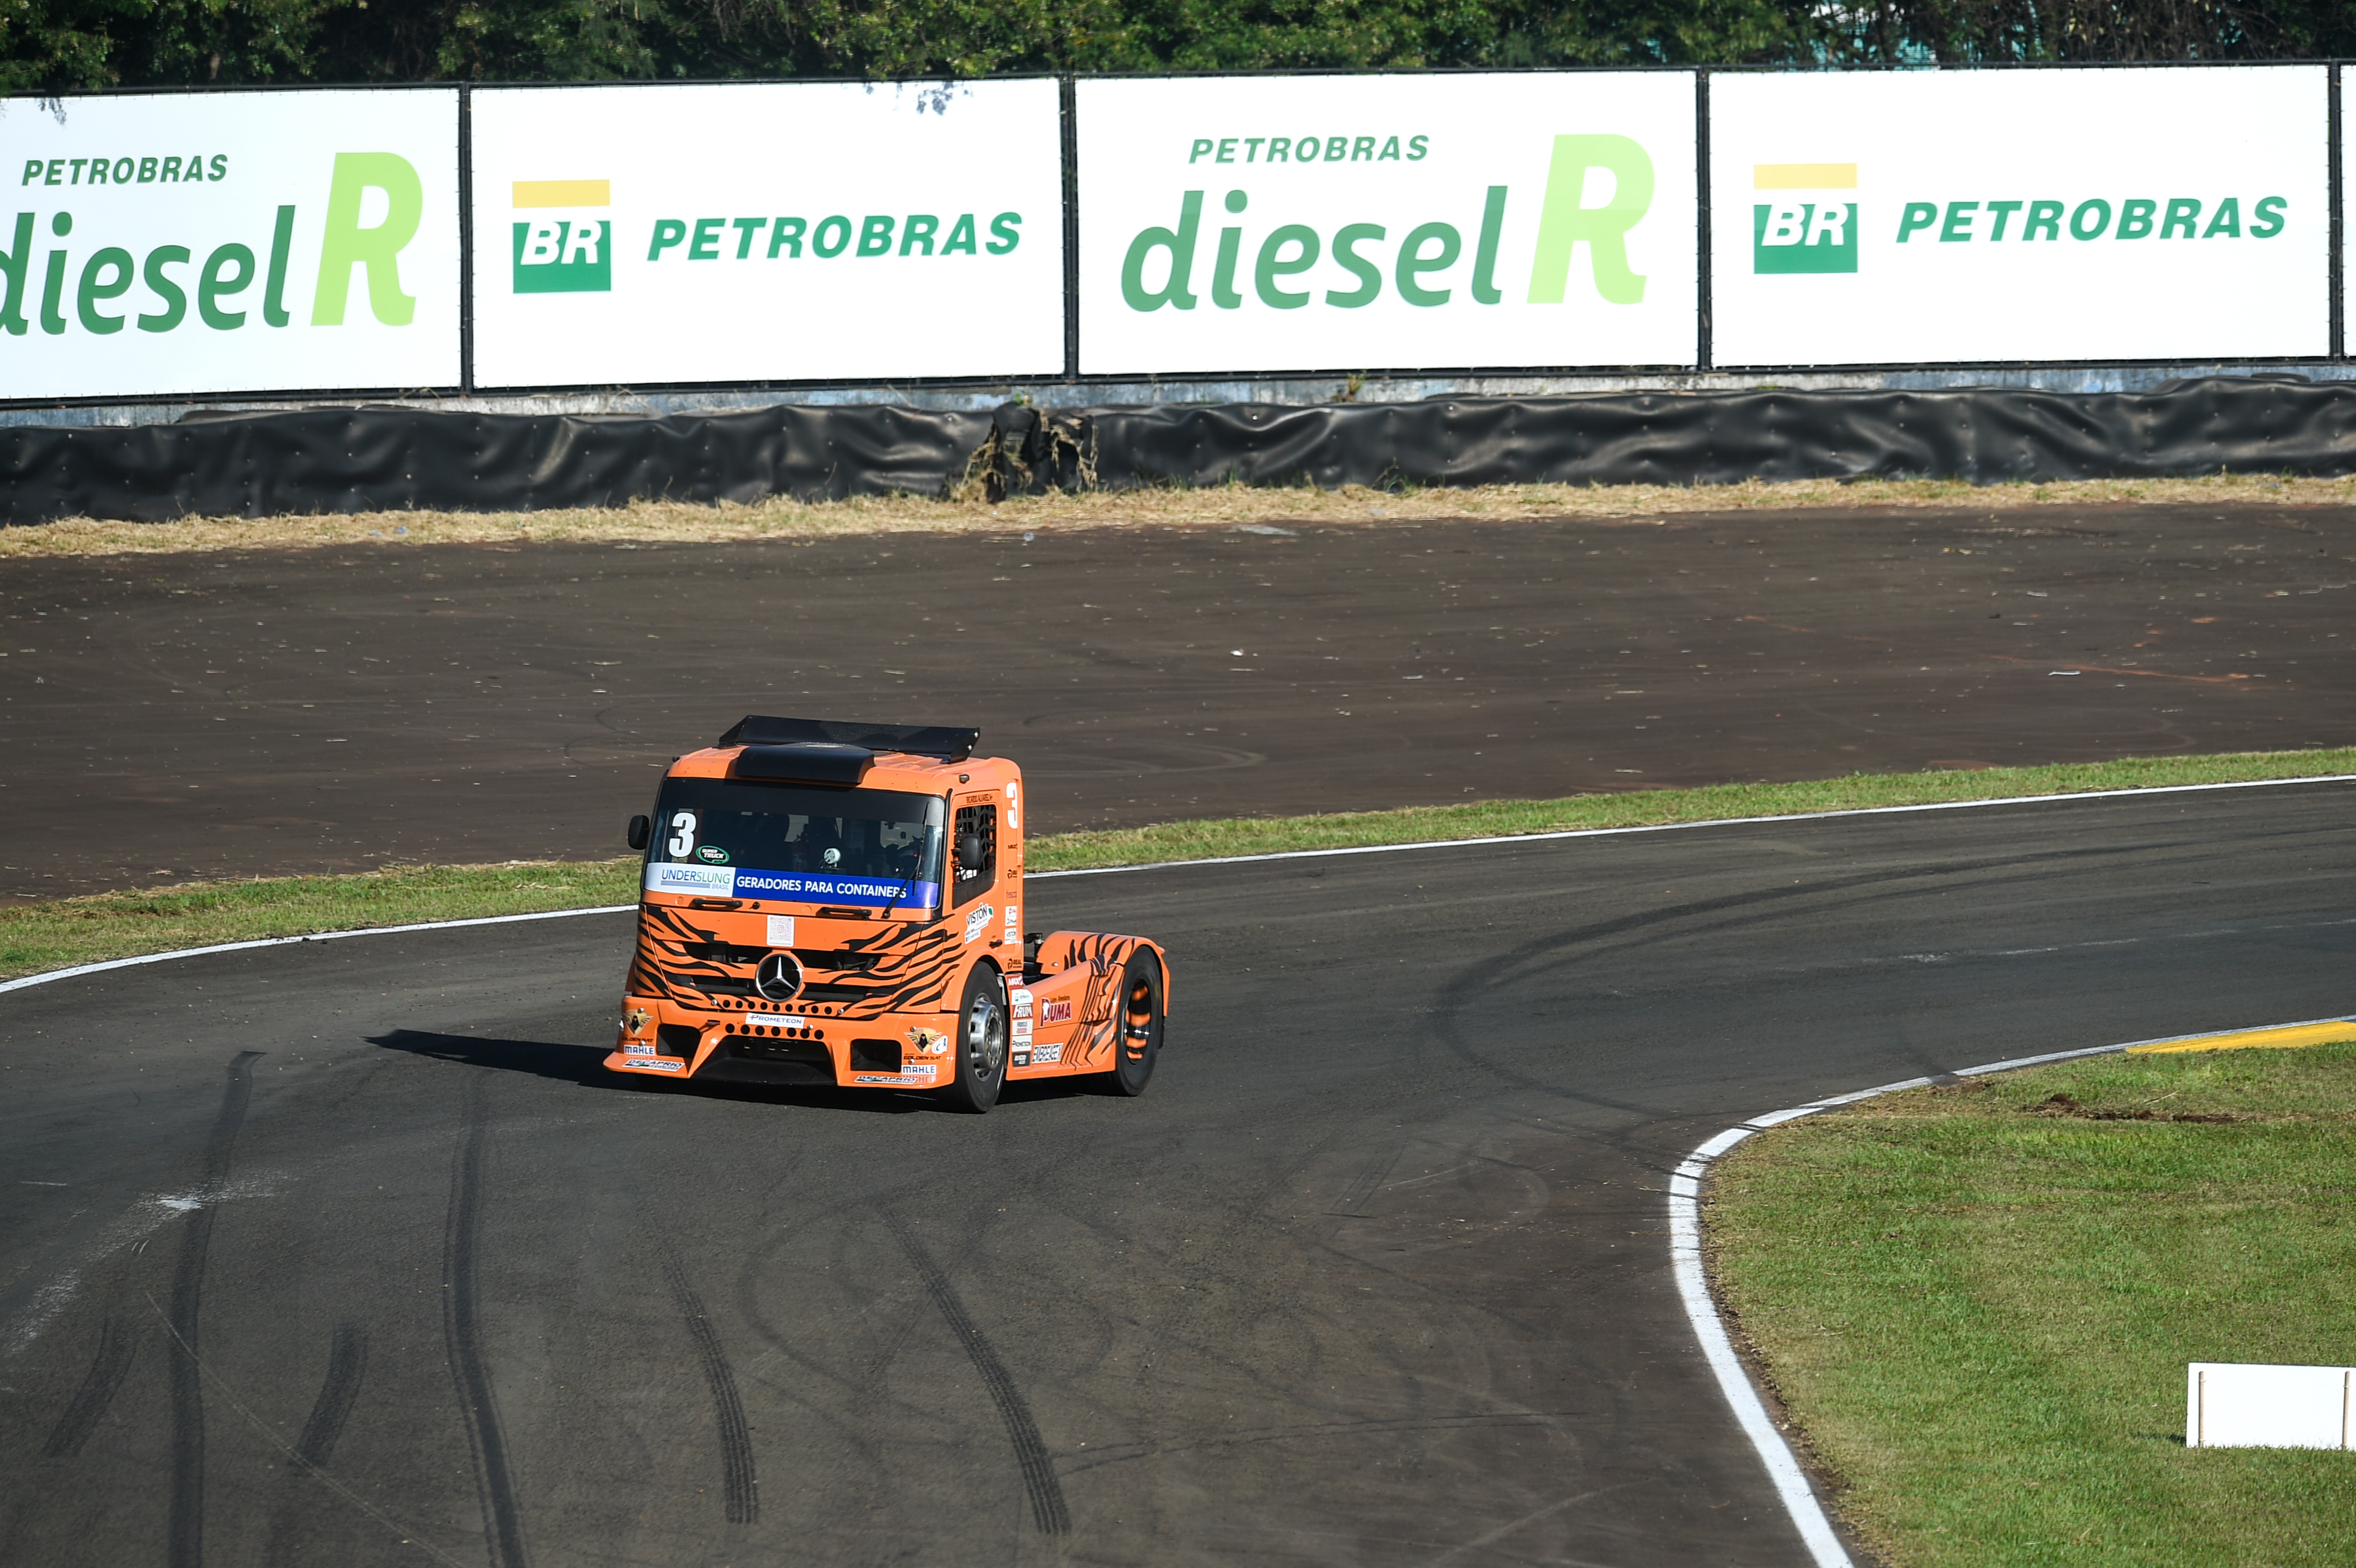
[349, 1250]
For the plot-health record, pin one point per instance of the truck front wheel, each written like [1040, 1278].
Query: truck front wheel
[980, 1042]
[1140, 1025]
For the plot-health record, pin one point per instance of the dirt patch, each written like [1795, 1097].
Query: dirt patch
[2067, 1105]
[269, 712]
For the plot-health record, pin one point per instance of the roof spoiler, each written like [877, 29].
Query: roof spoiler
[951, 743]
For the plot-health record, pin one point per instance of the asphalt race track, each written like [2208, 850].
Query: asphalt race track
[257, 712]
[348, 1252]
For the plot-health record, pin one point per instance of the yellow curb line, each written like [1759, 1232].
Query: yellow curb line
[2288, 1036]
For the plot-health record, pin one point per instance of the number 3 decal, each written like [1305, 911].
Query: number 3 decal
[682, 837]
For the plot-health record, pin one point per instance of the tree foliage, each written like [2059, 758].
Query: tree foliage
[51, 45]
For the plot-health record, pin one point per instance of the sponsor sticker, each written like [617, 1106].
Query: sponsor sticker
[781, 930]
[1023, 1059]
[711, 855]
[1045, 1055]
[978, 922]
[637, 1049]
[786, 1020]
[703, 881]
[1020, 1001]
[1022, 1028]
[1803, 219]
[1057, 1012]
[657, 1064]
[568, 254]
[1013, 922]
[825, 887]
[900, 1078]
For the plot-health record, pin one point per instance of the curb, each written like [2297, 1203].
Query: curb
[1791, 1482]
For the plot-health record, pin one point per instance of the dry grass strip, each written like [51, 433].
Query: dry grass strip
[681, 522]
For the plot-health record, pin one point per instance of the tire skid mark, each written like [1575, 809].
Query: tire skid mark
[1049, 1513]
[739, 1484]
[185, 1538]
[408, 1534]
[1556, 949]
[118, 1343]
[291, 1542]
[462, 1334]
[347, 1365]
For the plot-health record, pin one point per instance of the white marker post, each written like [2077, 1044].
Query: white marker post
[2230, 1405]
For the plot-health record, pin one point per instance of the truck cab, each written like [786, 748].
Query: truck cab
[826, 902]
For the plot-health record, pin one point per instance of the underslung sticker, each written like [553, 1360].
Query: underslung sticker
[704, 881]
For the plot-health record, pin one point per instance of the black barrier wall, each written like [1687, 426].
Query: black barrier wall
[392, 459]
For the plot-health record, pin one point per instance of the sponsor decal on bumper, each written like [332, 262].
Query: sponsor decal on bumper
[656, 1063]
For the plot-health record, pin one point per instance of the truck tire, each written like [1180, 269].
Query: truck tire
[1140, 1017]
[980, 1043]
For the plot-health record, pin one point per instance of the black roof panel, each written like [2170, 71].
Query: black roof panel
[951, 743]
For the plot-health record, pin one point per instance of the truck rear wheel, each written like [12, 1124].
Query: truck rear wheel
[980, 1042]
[1140, 1041]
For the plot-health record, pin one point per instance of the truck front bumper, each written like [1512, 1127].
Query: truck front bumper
[780, 1047]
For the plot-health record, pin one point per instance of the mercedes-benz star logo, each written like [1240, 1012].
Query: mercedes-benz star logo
[779, 978]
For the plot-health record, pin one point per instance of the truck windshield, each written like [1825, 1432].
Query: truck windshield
[722, 838]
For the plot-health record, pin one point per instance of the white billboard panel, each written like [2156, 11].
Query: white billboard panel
[1916, 217]
[229, 243]
[1386, 223]
[758, 232]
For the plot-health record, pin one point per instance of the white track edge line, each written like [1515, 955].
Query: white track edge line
[20, 983]
[42, 979]
[1698, 822]
[1783, 1470]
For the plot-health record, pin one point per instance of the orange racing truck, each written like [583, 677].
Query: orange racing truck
[826, 902]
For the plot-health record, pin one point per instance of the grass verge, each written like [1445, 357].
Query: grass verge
[1978, 1302]
[35, 937]
[782, 519]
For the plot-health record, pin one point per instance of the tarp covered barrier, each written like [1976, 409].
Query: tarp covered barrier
[1985, 436]
[347, 460]
[388, 459]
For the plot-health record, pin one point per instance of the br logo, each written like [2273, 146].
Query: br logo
[572, 253]
[1814, 233]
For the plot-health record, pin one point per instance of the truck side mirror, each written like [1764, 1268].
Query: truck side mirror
[969, 852]
[640, 830]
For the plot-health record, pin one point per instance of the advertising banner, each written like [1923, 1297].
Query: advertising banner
[229, 243]
[1914, 217]
[633, 236]
[1386, 223]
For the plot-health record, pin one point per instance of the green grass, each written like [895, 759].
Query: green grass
[35, 937]
[1980, 1312]
[1499, 819]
